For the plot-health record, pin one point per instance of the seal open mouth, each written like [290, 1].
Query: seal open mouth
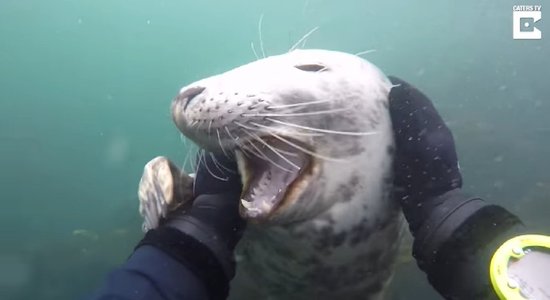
[274, 174]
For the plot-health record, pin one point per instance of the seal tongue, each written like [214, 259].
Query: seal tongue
[269, 178]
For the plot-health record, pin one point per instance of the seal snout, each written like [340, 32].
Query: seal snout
[189, 94]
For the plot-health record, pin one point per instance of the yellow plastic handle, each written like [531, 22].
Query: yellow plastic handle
[512, 248]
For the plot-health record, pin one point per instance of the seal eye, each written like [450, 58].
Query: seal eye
[311, 68]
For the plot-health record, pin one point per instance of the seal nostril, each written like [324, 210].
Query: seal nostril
[189, 94]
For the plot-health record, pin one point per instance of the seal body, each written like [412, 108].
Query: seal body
[314, 142]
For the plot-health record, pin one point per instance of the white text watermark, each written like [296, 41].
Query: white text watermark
[525, 18]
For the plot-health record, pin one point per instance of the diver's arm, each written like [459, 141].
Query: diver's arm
[190, 255]
[151, 274]
[455, 235]
[456, 240]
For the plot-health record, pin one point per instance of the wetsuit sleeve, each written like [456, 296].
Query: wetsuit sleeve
[190, 255]
[455, 235]
[455, 243]
[151, 274]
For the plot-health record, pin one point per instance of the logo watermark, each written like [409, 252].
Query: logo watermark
[525, 18]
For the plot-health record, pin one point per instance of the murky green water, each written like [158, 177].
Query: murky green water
[86, 88]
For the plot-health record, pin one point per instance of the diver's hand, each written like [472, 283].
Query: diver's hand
[455, 235]
[426, 163]
[202, 237]
[215, 210]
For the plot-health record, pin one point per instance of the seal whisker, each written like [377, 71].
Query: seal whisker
[265, 157]
[306, 150]
[195, 126]
[236, 139]
[278, 149]
[245, 150]
[303, 45]
[257, 138]
[297, 104]
[183, 139]
[298, 114]
[189, 148]
[272, 129]
[260, 35]
[285, 152]
[361, 133]
[202, 157]
[220, 143]
[220, 165]
[302, 39]
[251, 151]
[216, 164]
[365, 52]
[241, 146]
[193, 161]
[210, 127]
[185, 161]
[244, 126]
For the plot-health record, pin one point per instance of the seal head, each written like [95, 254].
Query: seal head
[297, 123]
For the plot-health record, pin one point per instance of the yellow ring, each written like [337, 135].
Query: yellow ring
[498, 269]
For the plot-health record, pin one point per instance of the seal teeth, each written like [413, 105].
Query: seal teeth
[251, 210]
[254, 211]
[247, 204]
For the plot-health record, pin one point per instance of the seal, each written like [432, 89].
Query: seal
[313, 140]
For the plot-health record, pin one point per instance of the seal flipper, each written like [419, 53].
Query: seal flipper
[162, 189]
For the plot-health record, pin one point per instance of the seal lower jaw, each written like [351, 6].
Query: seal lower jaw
[273, 179]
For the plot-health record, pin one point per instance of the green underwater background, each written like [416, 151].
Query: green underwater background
[86, 86]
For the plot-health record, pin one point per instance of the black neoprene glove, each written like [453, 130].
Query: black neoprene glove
[426, 163]
[215, 210]
[454, 234]
[204, 236]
